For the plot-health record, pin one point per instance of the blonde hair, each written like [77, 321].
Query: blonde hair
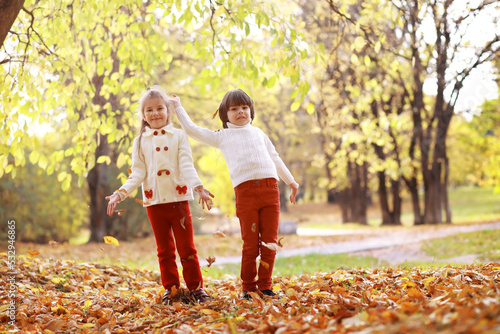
[153, 91]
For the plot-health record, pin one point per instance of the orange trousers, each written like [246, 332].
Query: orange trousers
[258, 209]
[165, 219]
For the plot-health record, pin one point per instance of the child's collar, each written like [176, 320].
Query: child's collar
[158, 132]
[232, 126]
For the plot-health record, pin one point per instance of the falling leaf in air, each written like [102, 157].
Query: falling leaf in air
[33, 252]
[122, 191]
[279, 242]
[141, 202]
[129, 170]
[271, 246]
[265, 264]
[210, 260]
[219, 234]
[120, 212]
[182, 222]
[111, 240]
[101, 249]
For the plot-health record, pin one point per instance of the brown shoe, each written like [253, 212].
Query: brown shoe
[166, 297]
[200, 295]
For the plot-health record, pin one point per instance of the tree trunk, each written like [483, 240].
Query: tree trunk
[9, 10]
[396, 202]
[446, 201]
[100, 222]
[283, 197]
[412, 186]
[97, 181]
[383, 199]
[344, 205]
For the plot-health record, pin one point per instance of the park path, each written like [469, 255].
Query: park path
[393, 247]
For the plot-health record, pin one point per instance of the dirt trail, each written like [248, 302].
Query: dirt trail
[393, 247]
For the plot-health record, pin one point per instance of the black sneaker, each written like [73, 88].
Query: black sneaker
[268, 293]
[166, 297]
[200, 295]
[246, 295]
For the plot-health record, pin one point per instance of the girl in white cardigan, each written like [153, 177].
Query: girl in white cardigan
[163, 164]
[254, 168]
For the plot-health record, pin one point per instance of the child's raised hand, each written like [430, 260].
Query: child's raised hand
[175, 100]
[205, 195]
[113, 200]
[295, 188]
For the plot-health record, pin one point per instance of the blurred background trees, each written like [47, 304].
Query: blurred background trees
[363, 100]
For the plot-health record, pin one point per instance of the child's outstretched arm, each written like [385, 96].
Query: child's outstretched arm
[134, 181]
[295, 188]
[205, 195]
[113, 200]
[194, 131]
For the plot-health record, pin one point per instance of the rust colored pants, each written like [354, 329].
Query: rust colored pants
[165, 219]
[258, 209]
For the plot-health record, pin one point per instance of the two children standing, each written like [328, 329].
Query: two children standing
[167, 180]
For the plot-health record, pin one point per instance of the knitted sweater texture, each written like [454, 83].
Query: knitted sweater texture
[249, 153]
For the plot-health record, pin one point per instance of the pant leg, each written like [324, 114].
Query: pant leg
[182, 225]
[158, 217]
[269, 223]
[248, 214]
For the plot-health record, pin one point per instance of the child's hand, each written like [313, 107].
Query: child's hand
[204, 197]
[295, 187]
[175, 100]
[113, 200]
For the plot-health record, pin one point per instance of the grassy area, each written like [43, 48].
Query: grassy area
[486, 244]
[298, 265]
[468, 205]
[473, 204]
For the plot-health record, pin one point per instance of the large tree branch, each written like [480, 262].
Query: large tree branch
[488, 52]
[9, 9]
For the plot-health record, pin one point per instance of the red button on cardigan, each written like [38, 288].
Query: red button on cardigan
[162, 132]
[158, 149]
[165, 148]
[155, 133]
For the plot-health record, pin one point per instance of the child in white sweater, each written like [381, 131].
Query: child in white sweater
[254, 168]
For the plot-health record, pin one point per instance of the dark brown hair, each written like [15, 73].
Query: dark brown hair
[234, 97]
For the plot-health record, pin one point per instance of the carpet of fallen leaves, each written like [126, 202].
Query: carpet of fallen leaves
[61, 296]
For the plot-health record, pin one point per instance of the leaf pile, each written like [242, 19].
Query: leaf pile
[57, 296]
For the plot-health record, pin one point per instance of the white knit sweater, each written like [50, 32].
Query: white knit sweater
[249, 153]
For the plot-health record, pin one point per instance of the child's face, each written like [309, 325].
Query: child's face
[155, 113]
[239, 115]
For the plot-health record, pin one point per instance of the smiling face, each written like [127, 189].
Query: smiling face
[155, 112]
[239, 115]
